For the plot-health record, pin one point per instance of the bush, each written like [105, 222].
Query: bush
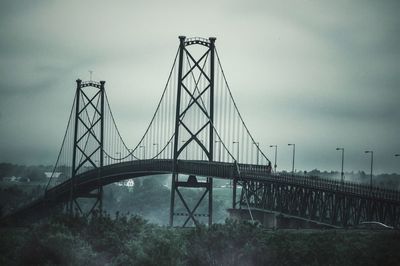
[55, 243]
[130, 240]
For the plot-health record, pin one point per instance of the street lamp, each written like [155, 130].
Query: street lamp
[219, 151]
[341, 174]
[156, 144]
[183, 141]
[119, 155]
[202, 152]
[237, 157]
[130, 151]
[372, 162]
[276, 152]
[294, 152]
[258, 150]
[144, 151]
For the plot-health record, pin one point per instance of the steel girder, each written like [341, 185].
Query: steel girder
[330, 207]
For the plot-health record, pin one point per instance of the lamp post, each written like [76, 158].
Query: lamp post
[130, 151]
[183, 141]
[372, 162]
[258, 150]
[119, 155]
[144, 151]
[276, 152]
[294, 152]
[201, 150]
[219, 150]
[341, 173]
[237, 157]
[156, 144]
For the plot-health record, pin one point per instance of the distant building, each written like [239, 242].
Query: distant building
[55, 174]
[130, 183]
[126, 183]
[10, 178]
[16, 179]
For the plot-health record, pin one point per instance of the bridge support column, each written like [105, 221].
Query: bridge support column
[88, 143]
[190, 212]
[194, 122]
[234, 186]
[210, 200]
[172, 204]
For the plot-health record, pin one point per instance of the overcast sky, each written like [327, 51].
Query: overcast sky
[320, 74]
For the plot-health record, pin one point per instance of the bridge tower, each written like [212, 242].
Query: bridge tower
[204, 106]
[87, 152]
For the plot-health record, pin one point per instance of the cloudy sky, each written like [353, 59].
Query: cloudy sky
[320, 74]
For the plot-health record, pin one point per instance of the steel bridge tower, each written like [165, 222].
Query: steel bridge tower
[88, 140]
[196, 101]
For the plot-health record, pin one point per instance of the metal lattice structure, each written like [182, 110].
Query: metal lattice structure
[88, 138]
[202, 88]
[340, 204]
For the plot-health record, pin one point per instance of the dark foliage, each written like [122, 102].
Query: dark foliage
[101, 240]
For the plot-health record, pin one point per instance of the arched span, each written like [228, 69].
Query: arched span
[92, 179]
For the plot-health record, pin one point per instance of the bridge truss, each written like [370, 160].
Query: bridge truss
[341, 204]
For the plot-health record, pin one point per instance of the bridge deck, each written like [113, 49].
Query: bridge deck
[92, 179]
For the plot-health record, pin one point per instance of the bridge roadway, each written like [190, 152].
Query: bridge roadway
[251, 177]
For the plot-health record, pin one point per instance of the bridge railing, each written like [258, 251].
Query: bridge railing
[254, 168]
[150, 165]
[206, 168]
[229, 171]
[349, 187]
[117, 170]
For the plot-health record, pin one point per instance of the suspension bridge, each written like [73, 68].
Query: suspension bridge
[196, 134]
